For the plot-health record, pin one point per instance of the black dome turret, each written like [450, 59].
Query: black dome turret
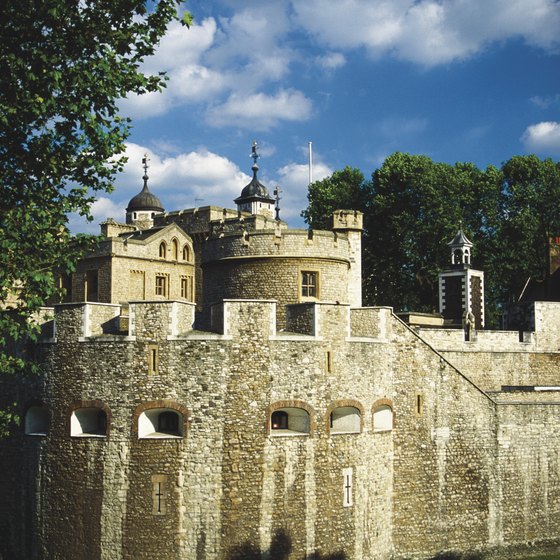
[255, 191]
[143, 207]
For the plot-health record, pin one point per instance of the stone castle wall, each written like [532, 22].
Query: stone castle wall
[461, 470]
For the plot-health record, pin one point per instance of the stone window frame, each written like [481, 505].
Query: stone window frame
[305, 286]
[95, 403]
[162, 251]
[378, 404]
[33, 404]
[187, 287]
[153, 359]
[187, 252]
[162, 290]
[287, 404]
[343, 403]
[167, 405]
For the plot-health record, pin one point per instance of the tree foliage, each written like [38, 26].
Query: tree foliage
[346, 188]
[413, 206]
[64, 66]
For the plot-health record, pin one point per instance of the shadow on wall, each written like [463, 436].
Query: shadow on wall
[280, 549]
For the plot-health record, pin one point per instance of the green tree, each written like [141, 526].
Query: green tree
[64, 66]
[344, 189]
[417, 207]
[531, 217]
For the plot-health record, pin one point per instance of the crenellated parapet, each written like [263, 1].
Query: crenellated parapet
[157, 321]
[276, 242]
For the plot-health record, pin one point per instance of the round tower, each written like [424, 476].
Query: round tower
[143, 207]
[289, 266]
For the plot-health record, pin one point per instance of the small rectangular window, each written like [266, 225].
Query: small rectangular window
[159, 494]
[419, 404]
[161, 285]
[309, 284]
[347, 486]
[329, 362]
[152, 358]
[92, 285]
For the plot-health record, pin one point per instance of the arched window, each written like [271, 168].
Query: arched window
[160, 423]
[88, 422]
[162, 250]
[382, 418]
[292, 419]
[175, 249]
[36, 420]
[345, 420]
[186, 253]
[457, 256]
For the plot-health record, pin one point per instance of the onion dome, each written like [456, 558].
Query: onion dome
[143, 207]
[255, 191]
[145, 200]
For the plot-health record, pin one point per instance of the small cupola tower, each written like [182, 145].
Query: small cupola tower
[254, 197]
[143, 207]
[460, 249]
[461, 288]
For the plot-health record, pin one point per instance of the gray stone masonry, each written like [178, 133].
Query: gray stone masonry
[456, 469]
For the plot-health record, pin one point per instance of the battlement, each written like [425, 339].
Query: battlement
[277, 242]
[168, 320]
[544, 337]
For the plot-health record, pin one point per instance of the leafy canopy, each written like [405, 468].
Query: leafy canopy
[413, 206]
[64, 64]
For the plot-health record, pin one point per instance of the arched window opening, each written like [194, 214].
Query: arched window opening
[467, 256]
[36, 421]
[290, 421]
[160, 423]
[457, 256]
[88, 422]
[186, 253]
[383, 418]
[162, 250]
[345, 420]
[175, 249]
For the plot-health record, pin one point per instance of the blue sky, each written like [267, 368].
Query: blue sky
[456, 80]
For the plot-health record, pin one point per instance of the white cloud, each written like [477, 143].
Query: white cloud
[260, 111]
[101, 209]
[201, 174]
[429, 32]
[542, 138]
[331, 60]
[545, 101]
[293, 179]
[179, 55]
[199, 178]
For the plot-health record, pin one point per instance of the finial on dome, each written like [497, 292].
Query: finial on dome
[145, 165]
[254, 155]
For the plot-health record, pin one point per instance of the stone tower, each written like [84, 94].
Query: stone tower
[350, 222]
[461, 288]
